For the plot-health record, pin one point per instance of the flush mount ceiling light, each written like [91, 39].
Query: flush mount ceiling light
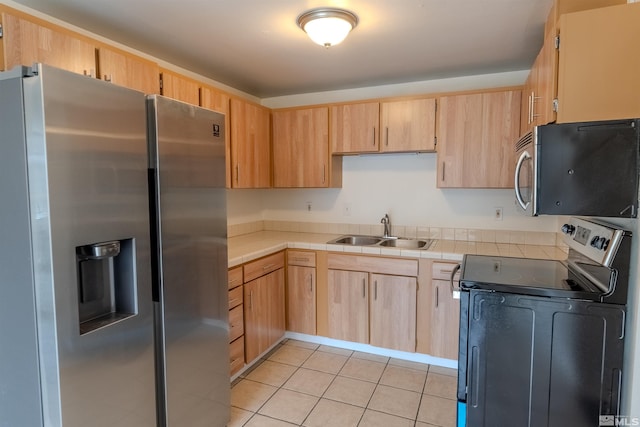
[327, 26]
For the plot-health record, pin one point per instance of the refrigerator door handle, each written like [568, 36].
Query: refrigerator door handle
[152, 182]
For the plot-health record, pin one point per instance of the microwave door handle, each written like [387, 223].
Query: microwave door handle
[524, 156]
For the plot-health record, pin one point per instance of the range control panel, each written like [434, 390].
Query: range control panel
[593, 239]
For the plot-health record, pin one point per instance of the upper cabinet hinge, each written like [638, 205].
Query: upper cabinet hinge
[556, 42]
[555, 105]
[1, 34]
[435, 141]
[160, 83]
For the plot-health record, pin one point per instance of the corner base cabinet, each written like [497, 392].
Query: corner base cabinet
[264, 317]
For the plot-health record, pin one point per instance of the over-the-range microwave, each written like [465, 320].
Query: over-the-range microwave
[587, 169]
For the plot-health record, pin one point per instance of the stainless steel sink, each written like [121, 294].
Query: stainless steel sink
[406, 243]
[357, 240]
[394, 242]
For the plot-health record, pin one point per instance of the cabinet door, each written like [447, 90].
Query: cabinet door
[250, 145]
[598, 69]
[256, 334]
[477, 133]
[393, 312]
[301, 147]
[528, 100]
[408, 125]
[25, 42]
[355, 128]
[215, 100]
[301, 299]
[348, 311]
[445, 321]
[275, 317]
[179, 87]
[129, 71]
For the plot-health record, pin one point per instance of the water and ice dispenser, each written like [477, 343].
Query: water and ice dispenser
[106, 283]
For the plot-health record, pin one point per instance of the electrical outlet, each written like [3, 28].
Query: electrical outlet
[346, 209]
[308, 206]
[497, 214]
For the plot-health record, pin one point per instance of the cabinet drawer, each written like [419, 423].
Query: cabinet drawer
[442, 271]
[371, 264]
[255, 269]
[236, 349]
[301, 258]
[235, 297]
[234, 277]
[236, 323]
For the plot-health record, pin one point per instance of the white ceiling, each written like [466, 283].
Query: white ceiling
[255, 45]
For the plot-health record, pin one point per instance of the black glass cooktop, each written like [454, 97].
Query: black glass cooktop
[525, 276]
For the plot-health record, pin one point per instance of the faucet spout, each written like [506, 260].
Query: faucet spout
[386, 221]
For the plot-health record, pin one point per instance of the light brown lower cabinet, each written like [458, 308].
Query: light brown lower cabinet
[301, 292]
[438, 312]
[236, 320]
[377, 306]
[348, 305]
[264, 316]
[392, 316]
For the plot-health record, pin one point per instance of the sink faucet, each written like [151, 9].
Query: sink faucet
[387, 225]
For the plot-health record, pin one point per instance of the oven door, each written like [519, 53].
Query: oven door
[524, 179]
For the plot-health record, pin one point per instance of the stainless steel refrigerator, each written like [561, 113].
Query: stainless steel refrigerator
[95, 300]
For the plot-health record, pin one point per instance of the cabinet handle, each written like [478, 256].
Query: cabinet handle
[364, 290]
[89, 73]
[374, 135]
[531, 101]
[387, 136]
[299, 259]
[107, 78]
[268, 266]
[443, 166]
[311, 283]
[237, 173]
[437, 297]
[375, 290]
[324, 174]
[251, 300]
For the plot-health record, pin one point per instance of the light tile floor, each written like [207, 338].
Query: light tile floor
[304, 384]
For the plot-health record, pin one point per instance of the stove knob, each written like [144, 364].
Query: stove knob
[568, 229]
[600, 243]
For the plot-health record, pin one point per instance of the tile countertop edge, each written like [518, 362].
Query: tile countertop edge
[248, 247]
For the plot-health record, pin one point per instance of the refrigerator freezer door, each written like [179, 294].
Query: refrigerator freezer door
[87, 175]
[187, 152]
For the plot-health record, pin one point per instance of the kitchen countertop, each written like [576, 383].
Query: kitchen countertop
[248, 247]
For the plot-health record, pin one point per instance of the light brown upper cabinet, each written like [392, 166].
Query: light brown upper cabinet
[216, 100]
[541, 97]
[301, 149]
[408, 125]
[599, 63]
[176, 86]
[25, 42]
[355, 128]
[476, 135]
[126, 70]
[250, 145]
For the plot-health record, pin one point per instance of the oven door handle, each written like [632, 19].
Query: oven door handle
[524, 156]
[455, 291]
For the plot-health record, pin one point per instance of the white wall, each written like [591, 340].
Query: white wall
[404, 186]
